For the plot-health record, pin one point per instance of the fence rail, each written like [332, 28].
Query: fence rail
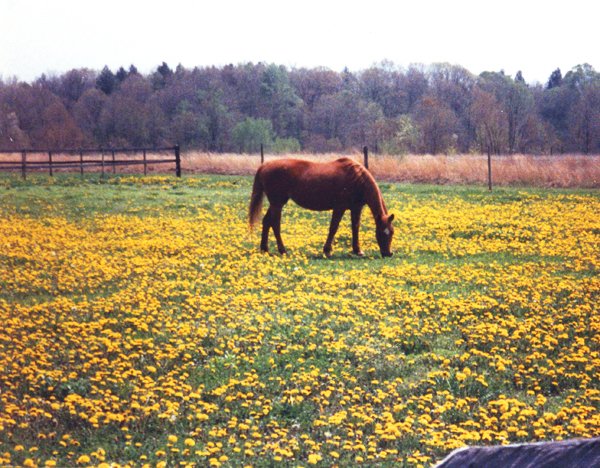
[24, 165]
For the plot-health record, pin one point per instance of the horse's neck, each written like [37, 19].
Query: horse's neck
[374, 199]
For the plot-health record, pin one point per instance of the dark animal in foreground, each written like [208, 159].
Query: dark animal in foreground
[338, 185]
[584, 453]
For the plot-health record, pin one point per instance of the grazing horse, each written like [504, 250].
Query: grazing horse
[338, 185]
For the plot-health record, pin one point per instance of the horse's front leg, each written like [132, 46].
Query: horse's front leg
[333, 227]
[276, 224]
[356, 212]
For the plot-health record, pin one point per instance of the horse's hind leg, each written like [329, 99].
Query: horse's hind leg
[333, 227]
[276, 224]
[266, 225]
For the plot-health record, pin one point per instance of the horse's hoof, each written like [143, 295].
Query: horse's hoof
[360, 253]
[328, 254]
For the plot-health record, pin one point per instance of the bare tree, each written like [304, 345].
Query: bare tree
[438, 125]
[489, 121]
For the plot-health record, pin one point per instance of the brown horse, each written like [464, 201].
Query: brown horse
[338, 185]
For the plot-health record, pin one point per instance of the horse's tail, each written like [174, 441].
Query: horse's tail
[256, 200]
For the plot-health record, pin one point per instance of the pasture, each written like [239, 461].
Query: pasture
[141, 324]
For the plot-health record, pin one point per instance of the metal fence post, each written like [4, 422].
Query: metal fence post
[50, 163]
[262, 154]
[177, 162]
[366, 156]
[145, 163]
[81, 162]
[113, 162]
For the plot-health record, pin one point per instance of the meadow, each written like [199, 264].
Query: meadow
[141, 325]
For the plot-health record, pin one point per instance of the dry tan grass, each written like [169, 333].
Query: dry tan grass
[527, 170]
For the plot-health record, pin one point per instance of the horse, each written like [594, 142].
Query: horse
[338, 185]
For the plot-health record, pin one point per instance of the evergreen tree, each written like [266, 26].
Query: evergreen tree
[555, 79]
[121, 75]
[165, 71]
[161, 76]
[106, 81]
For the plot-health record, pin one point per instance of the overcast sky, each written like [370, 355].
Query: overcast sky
[54, 36]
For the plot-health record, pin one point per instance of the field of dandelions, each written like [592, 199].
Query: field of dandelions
[141, 325]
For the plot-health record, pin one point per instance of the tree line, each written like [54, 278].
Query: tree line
[439, 108]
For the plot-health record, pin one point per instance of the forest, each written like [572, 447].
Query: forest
[430, 109]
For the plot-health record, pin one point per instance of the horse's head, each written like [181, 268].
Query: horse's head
[384, 231]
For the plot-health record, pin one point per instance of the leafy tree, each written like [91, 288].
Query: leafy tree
[453, 85]
[87, 111]
[581, 75]
[346, 118]
[581, 87]
[59, 128]
[416, 85]
[281, 100]
[219, 119]
[517, 102]
[384, 85]
[249, 134]
[554, 109]
[584, 118]
[312, 84]
[189, 129]
[73, 84]
[126, 116]
[403, 136]
[285, 145]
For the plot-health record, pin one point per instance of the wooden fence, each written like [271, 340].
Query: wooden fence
[84, 159]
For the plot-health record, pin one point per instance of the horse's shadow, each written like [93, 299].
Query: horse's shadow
[340, 256]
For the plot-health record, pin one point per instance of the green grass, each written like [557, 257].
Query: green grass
[422, 280]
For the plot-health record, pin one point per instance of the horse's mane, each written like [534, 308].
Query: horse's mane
[360, 175]
[357, 172]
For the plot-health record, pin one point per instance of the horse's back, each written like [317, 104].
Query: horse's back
[300, 167]
[313, 185]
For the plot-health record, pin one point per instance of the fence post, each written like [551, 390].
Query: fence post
[489, 161]
[262, 154]
[177, 161]
[145, 163]
[102, 173]
[366, 156]
[113, 160]
[24, 164]
[81, 162]
[50, 163]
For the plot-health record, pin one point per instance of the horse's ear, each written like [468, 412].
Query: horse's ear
[391, 218]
